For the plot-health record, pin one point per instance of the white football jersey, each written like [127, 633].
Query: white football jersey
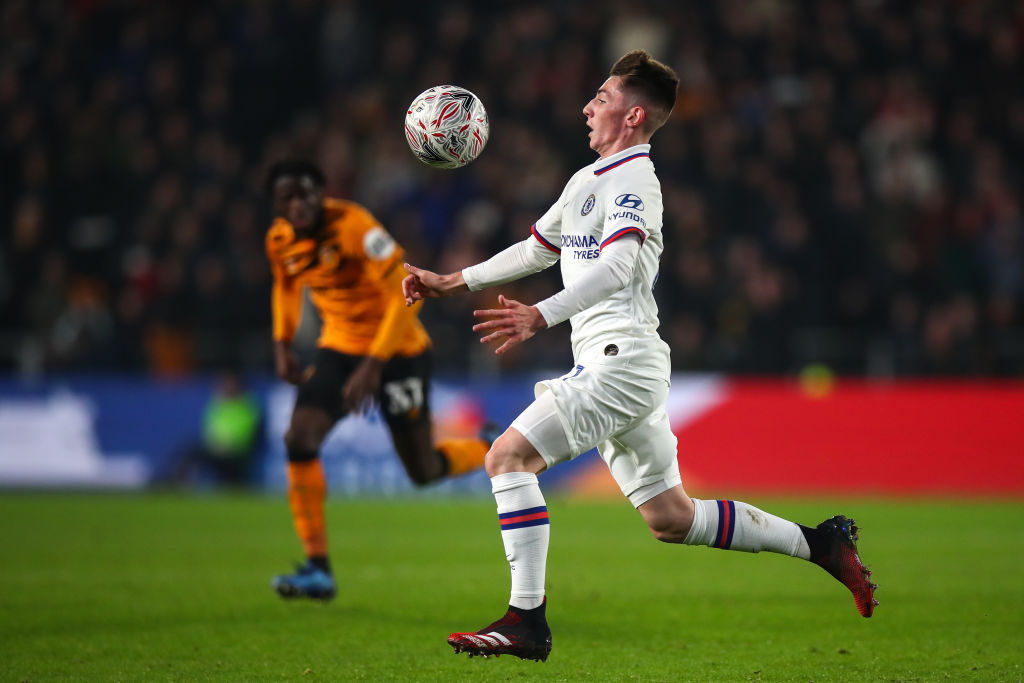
[615, 196]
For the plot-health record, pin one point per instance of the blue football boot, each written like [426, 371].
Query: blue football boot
[308, 581]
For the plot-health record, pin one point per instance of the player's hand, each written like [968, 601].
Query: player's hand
[286, 364]
[422, 284]
[515, 323]
[362, 386]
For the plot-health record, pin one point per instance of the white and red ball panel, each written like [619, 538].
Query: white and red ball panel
[446, 126]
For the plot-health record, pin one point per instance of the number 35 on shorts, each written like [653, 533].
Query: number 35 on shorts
[404, 396]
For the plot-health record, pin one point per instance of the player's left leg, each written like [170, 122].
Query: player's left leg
[405, 403]
[643, 460]
[655, 488]
[674, 517]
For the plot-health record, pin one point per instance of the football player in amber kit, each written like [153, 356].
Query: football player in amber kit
[371, 348]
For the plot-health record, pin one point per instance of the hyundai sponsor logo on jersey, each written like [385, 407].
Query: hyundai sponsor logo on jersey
[626, 215]
[630, 201]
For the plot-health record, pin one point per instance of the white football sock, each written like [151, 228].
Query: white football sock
[525, 530]
[734, 525]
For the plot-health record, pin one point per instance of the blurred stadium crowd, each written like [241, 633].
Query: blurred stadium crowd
[842, 180]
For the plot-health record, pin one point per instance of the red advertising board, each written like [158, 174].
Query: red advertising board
[859, 437]
[736, 436]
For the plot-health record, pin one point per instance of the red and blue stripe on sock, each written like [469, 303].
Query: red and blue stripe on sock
[726, 524]
[519, 519]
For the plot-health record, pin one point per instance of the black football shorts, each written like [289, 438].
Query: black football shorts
[404, 395]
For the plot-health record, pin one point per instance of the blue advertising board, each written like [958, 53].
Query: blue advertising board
[125, 431]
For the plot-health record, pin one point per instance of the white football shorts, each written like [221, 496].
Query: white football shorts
[615, 407]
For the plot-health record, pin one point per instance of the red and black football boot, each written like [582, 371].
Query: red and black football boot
[523, 633]
[834, 549]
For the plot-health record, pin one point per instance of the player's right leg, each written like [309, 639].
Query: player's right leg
[307, 490]
[405, 403]
[427, 461]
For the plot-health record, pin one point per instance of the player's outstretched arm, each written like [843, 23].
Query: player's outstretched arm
[515, 323]
[422, 284]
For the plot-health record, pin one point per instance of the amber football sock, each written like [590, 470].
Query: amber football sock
[462, 455]
[307, 489]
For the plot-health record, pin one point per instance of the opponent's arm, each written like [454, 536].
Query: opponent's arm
[397, 319]
[286, 307]
[394, 326]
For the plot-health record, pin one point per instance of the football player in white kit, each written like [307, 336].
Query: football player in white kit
[606, 230]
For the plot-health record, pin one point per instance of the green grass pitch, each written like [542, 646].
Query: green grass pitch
[168, 588]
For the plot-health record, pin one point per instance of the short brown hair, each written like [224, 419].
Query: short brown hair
[654, 83]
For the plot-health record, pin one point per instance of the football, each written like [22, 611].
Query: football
[446, 126]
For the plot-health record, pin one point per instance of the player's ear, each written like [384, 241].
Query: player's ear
[636, 116]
